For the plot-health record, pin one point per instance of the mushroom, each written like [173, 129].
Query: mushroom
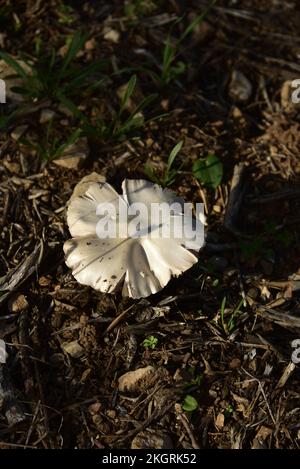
[120, 239]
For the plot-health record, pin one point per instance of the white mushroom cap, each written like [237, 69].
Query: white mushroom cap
[144, 265]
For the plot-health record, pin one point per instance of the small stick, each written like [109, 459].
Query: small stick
[283, 319]
[285, 375]
[237, 190]
[17, 276]
[116, 321]
[185, 423]
[263, 394]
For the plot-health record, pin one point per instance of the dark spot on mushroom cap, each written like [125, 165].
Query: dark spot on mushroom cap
[105, 280]
[113, 276]
[88, 243]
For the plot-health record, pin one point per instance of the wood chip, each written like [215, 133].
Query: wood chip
[130, 381]
[73, 349]
[151, 439]
[17, 303]
[289, 369]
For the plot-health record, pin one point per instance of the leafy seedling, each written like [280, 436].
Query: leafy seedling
[50, 147]
[136, 9]
[118, 125]
[228, 319]
[209, 171]
[190, 404]
[228, 411]
[150, 342]
[196, 379]
[66, 13]
[49, 76]
[172, 68]
[170, 173]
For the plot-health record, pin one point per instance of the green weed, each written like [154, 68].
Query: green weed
[190, 404]
[150, 342]
[209, 171]
[50, 147]
[49, 76]
[170, 173]
[227, 320]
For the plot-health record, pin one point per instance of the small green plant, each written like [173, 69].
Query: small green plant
[228, 318]
[118, 124]
[66, 13]
[228, 411]
[209, 171]
[170, 173]
[122, 124]
[196, 378]
[215, 282]
[51, 147]
[139, 8]
[190, 404]
[49, 76]
[171, 67]
[150, 342]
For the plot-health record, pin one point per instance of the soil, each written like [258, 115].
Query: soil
[225, 329]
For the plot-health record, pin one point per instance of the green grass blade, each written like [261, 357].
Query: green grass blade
[168, 57]
[72, 107]
[143, 104]
[173, 154]
[79, 77]
[196, 21]
[128, 93]
[76, 44]
[72, 139]
[14, 65]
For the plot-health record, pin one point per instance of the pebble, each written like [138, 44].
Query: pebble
[17, 303]
[111, 35]
[46, 116]
[18, 132]
[220, 420]
[73, 349]
[240, 88]
[74, 156]
[129, 381]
